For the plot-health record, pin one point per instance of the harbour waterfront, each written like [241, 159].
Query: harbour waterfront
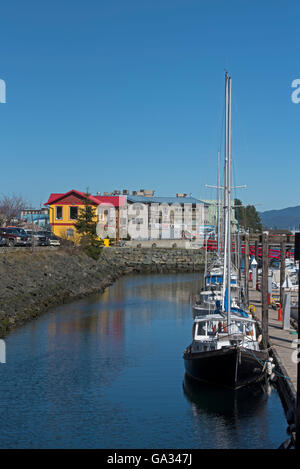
[107, 372]
[47, 278]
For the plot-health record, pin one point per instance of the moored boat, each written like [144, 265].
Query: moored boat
[225, 350]
[230, 359]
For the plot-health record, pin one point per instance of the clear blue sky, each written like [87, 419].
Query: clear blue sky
[114, 94]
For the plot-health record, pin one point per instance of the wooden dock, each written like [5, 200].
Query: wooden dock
[282, 342]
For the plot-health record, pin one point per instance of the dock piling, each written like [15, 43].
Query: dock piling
[264, 291]
[256, 250]
[247, 271]
[287, 311]
[254, 272]
[297, 258]
[282, 267]
[270, 279]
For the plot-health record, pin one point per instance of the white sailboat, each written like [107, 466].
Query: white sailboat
[225, 349]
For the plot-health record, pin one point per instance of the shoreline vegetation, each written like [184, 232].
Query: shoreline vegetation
[32, 282]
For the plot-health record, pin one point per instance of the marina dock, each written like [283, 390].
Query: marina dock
[282, 348]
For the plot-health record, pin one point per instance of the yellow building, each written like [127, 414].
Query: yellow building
[65, 208]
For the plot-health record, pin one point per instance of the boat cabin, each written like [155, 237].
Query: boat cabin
[210, 332]
[207, 296]
[217, 279]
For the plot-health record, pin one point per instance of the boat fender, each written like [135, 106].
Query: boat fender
[259, 339]
[251, 309]
[270, 367]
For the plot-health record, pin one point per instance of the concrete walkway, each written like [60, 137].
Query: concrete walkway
[280, 339]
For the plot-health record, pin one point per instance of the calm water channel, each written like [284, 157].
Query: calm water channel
[107, 372]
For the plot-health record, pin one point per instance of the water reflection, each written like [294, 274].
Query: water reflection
[107, 371]
[106, 313]
[179, 288]
[226, 402]
[240, 416]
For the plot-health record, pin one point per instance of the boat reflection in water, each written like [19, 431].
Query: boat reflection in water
[210, 399]
[230, 419]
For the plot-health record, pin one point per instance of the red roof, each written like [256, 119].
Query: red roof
[115, 200]
[52, 198]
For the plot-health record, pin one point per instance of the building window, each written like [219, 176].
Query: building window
[70, 232]
[59, 213]
[73, 213]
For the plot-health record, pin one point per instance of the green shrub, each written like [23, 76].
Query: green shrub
[4, 326]
[93, 251]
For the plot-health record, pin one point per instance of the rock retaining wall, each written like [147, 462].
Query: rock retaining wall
[32, 282]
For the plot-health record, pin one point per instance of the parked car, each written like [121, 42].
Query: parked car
[38, 237]
[53, 240]
[23, 232]
[47, 233]
[13, 237]
[2, 241]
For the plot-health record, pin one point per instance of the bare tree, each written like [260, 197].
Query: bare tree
[10, 208]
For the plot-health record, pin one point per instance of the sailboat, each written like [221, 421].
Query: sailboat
[213, 291]
[213, 274]
[225, 349]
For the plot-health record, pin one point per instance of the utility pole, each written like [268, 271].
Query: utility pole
[282, 267]
[32, 234]
[264, 291]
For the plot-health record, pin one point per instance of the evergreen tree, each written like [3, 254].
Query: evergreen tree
[247, 217]
[239, 212]
[86, 225]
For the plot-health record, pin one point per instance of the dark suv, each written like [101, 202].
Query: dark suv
[14, 236]
[38, 238]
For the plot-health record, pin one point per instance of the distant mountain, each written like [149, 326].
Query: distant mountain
[286, 218]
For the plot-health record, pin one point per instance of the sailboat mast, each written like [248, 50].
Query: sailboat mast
[229, 246]
[225, 192]
[218, 212]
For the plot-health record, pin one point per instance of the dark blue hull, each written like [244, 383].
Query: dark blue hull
[232, 367]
